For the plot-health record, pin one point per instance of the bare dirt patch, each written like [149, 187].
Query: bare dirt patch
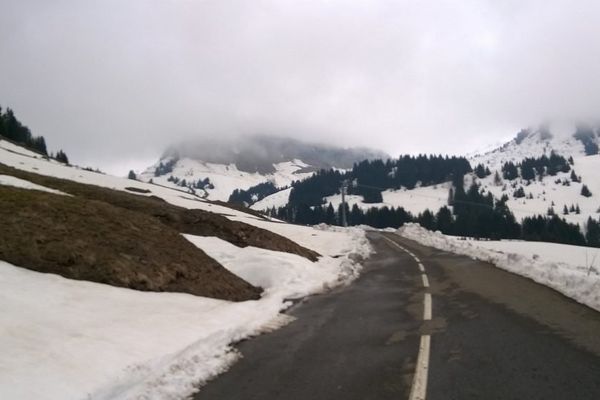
[86, 239]
[194, 222]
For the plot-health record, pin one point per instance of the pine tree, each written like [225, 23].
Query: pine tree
[519, 193]
[480, 171]
[62, 157]
[330, 215]
[585, 191]
[132, 175]
[574, 177]
[427, 220]
[443, 220]
[510, 171]
[592, 234]
[497, 179]
[565, 210]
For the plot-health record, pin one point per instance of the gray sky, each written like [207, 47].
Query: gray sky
[115, 82]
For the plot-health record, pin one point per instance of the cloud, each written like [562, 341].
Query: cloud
[113, 81]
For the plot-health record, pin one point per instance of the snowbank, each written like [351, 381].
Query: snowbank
[66, 339]
[575, 280]
[282, 275]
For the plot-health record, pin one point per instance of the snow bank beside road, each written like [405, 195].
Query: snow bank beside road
[575, 280]
[67, 339]
[282, 275]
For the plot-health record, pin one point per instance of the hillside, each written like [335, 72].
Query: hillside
[214, 168]
[548, 191]
[95, 241]
[539, 186]
[121, 281]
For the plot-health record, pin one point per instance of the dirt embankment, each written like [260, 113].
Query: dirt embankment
[195, 222]
[86, 239]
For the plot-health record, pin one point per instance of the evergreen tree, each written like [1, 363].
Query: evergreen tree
[427, 220]
[592, 234]
[444, 221]
[480, 171]
[565, 210]
[61, 156]
[497, 179]
[330, 215]
[519, 193]
[585, 191]
[510, 171]
[574, 177]
[132, 175]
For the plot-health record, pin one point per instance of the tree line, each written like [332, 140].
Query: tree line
[12, 129]
[531, 168]
[370, 177]
[253, 194]
[473, 212]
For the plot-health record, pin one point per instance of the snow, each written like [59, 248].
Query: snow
[415, 200]
[8, 146]
[37, 164]
[563, 143]
[227, 178]
[547, 191]
[570, 270]
[276, 200]
[547, 252]
[8, 180]
[283, 275]
[62, 338]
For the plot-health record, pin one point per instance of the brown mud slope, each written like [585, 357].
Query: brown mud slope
[194, 222]
[91, 240]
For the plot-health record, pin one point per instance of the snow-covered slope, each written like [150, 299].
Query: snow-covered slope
[548, 192]
[246, 161]
[226, 178]
[73, 339]
[276, 200]
[415, 200]
[551, 191]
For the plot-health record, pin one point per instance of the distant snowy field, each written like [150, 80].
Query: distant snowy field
[570, 270]
[227, 178]
[415, 200]
[67, 339]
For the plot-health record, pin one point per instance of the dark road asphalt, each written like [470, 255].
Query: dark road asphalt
[494, 335]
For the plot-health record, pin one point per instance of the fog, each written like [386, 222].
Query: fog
[114, 83]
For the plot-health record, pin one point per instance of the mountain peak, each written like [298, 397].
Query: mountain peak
[259, 153]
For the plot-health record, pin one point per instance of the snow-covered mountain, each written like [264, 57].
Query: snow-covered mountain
[216, 167]
[542, 193]
[548, 191]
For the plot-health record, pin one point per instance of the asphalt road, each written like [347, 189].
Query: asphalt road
[493, 335]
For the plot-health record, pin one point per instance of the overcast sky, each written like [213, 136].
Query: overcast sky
[115, 82]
